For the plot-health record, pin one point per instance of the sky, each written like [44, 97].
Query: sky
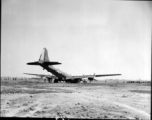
[86, 36]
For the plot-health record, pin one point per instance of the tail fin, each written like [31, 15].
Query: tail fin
[44, 56]
[44, 59]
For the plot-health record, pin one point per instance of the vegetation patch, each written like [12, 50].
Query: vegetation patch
[142, 91]
[8, 90]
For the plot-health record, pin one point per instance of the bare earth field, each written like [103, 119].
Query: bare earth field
[24, 98]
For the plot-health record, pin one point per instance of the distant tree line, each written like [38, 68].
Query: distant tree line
[133, 81]
[14, 78]
[126, 81]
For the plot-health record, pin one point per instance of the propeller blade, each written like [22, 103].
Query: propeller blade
[94, 75]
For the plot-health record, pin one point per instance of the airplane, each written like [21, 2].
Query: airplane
[49, 77]
[59, 75]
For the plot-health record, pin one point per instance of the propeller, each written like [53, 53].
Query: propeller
[83, 79]
[94, 77]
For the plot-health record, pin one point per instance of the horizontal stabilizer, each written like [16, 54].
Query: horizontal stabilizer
[51, 63]
[44, 63]
[33, 63]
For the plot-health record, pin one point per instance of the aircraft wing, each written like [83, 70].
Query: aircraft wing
[91, 76]
[107, 75]
[41, 75]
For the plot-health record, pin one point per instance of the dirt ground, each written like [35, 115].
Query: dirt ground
[61, 100]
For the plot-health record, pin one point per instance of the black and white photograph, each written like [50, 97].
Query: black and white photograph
[81, 59]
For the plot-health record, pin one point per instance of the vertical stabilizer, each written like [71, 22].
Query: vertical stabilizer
[44, 56]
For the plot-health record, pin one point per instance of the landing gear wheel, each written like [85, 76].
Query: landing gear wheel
[84, 81]
[55, 81]
[49, 80]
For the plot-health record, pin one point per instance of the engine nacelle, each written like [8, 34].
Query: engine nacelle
[90, 78]
[76, 80]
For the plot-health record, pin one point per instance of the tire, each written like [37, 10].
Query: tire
[55, 81]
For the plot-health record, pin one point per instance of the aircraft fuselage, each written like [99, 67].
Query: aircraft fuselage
[54, 71]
